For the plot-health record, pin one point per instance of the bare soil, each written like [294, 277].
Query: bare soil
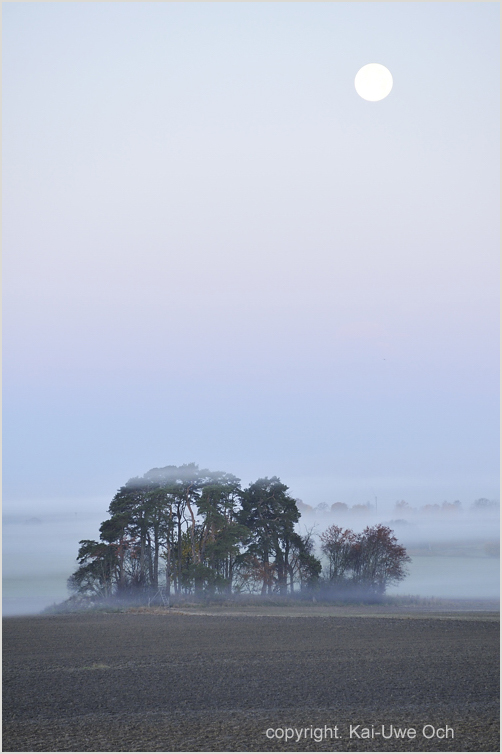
[179, 681]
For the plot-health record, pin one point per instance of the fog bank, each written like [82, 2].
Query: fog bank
[454, 549]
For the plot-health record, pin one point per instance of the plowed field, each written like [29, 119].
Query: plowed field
[177, 682]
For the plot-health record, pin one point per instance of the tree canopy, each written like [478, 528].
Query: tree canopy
[368, 562]
[182, 530]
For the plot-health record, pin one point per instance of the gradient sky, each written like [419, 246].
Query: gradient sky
[216, 251]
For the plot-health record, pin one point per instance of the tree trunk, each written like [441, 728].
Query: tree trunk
[180, 554]
[142, 558]
[168, 553]
[192, 528]
[265, 586]
[156, 545]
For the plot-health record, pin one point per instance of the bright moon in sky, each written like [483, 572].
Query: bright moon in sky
[373, 82]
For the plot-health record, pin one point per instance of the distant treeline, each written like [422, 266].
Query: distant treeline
[481, 505]
[190, 531]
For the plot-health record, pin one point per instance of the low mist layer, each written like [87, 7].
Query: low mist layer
[454, 547]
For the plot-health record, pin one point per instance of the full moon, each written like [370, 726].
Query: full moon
[373, 82]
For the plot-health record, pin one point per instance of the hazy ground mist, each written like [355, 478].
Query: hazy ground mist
[39, 551]
[454, 552]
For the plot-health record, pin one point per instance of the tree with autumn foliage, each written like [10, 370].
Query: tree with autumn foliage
[366, 562]
[379, 560]
[187, 531]
[337, 544]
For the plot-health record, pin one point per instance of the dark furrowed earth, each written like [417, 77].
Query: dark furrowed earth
[165, 681]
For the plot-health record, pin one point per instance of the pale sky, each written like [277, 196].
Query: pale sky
[216, 251]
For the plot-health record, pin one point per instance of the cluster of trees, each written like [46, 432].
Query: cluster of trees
[337, 508]
[186, 530]
[195, 531]
[367, 561]
[481, 505]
